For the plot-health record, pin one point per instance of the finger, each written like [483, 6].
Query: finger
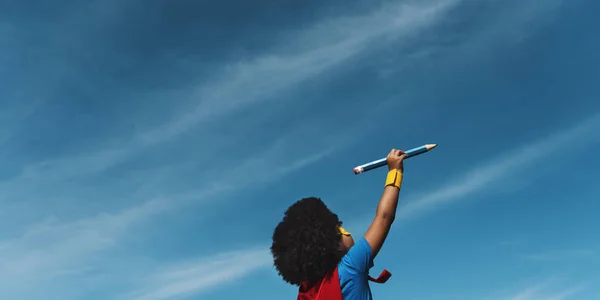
[403, 155]
[397, 153]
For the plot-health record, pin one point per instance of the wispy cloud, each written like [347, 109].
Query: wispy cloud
[259, 79]
[52, 248]
[195, 277]
[527, 293]
[542, 292]
[582, 135]
[560, 255]
[241, 84]
[321, 48]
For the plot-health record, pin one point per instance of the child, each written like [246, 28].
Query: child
[311, 249]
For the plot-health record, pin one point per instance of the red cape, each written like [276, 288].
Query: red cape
[329, 287]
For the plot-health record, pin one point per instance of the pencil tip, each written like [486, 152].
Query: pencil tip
[430, 146]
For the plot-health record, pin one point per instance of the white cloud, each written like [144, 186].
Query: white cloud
[322, 47]
[582, 135]
[549, 288]
[52, 247]
[541, 292]
[198, 276]
[250, 82]
[253, 81]
[50, 251]
[560, 255]
[527, 293]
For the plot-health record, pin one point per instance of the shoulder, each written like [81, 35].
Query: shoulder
[359, 258]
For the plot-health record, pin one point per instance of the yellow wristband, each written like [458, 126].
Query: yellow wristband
[394, 177]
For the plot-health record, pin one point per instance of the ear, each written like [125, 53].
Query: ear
[346, 243]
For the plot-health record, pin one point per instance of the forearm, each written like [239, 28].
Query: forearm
[386, 209]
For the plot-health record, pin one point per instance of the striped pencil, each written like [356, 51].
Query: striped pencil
[382, 162]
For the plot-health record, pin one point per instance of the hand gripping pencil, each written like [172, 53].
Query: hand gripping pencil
[382, 162]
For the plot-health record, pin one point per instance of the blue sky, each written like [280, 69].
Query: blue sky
[150, 147]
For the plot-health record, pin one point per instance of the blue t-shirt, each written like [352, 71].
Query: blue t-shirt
[353, 270]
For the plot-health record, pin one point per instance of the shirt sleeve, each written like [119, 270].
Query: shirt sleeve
[359, 258]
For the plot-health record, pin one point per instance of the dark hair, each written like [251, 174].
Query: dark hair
[306, 243]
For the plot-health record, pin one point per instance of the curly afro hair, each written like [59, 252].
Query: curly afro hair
[306, 243]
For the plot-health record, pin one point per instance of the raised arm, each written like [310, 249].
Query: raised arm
[386, 210]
